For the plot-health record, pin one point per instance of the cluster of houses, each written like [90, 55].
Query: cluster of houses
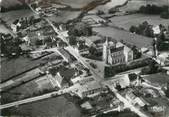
[23, 23]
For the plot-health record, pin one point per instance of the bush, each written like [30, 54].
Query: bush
[164, 15]
[109, 72]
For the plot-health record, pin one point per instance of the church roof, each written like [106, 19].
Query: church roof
[117, 49]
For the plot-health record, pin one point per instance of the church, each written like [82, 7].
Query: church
[116, 53]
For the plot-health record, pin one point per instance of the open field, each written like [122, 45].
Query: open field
[136, 4]
[11, 16]
[118, 34]
[76, 3]
[158, 79]
[65, 16]
[16, 66]
[72, 3]
[135, 19]
[10, 3]
[53, 107]
[28, 89]
[109, 5]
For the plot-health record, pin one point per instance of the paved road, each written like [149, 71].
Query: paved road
[128, 104]
[27, 100]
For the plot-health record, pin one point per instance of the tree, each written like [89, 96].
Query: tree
[99, 12]
[151, 68]
[80, 29]
[92, 50]
[118, 87]
[133, 29]
[38, 42]
[109, 72]
[72, 40]
[53, 71]
[112, 10]
[164, 15]
[136, 52]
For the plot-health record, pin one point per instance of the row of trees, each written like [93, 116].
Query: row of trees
[142, 29]
[153, 9]
[113, 70]
[16, 7]
[152, 67]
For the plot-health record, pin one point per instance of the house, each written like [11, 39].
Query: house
[91, 90]
[134, 99]
[66, 55]
[116, 53]
[15, 25]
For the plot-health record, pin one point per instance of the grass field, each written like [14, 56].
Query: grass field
[118, 34]
[76, 3]
[135, 19]
[10, 3]
[65, 16]
[13, 67]
[136, 4]
[53, 107]
[27, 90]
[109, 5]
[11, 16]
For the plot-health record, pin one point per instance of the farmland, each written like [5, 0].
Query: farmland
[10, 3]
[133, 5]
[76, 3]
[11, 16]
[13, 67]
[35, 87]
[109, 5]
[127, 21]
[53, 107]
[118, 34]
[65, 16]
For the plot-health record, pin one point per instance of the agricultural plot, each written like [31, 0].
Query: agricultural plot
[53, 107]
[109, 5]
[135, 19]
[118, 34]
[13, 67]
[65, 16]
[11, 16]
[133, 5]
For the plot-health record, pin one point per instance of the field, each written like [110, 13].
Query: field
[135, 19]
[11, 16]
[136, 4]
[35, 86]
[72, 3]
[158, 79]
[13, 67]
[65, 16]
[53, 107]
[76, 3]
[118, 34]
[10, 3]
[109, 5]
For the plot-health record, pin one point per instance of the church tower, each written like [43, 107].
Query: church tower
[155, 47]
[106, 51]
